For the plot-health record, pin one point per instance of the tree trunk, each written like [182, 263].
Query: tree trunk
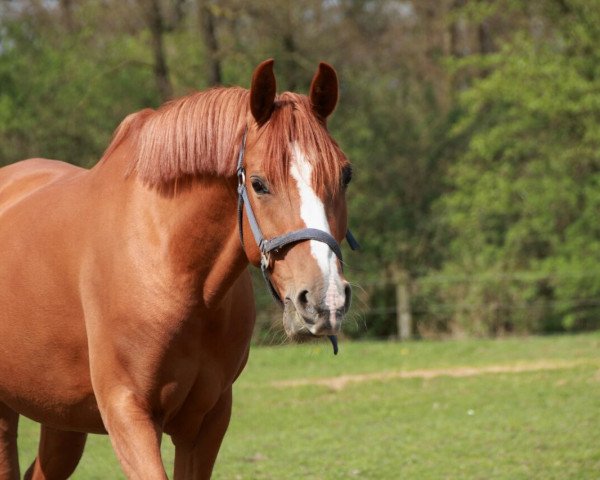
[211, 42]
[290, 50]
[156, 24]
[178, 13]
[459, 43]
[66, 7]
[289, 61]
[486, 43]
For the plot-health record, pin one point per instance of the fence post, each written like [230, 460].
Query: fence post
[403, 313]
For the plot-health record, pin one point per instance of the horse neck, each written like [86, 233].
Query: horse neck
[190, 229]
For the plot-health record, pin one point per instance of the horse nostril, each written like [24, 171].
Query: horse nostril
[303, 304]
[303, 298]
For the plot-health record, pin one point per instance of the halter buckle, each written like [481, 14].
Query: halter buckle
[265, 260]
[241, 174]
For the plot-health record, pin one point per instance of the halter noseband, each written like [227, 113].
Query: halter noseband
[266, 246]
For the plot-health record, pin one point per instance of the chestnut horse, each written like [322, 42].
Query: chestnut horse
[125, 303]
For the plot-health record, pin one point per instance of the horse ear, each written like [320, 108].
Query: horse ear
[262, 91]
[324, 91]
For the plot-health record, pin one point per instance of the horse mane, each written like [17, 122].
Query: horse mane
[201, 133]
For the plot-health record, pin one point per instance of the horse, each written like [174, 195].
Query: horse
[126, 304]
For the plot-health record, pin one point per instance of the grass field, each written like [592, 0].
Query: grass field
[525, 408]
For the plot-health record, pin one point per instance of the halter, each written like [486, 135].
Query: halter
[267, 246]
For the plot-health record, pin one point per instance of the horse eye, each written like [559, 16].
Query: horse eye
[259, 187]
[346, 176]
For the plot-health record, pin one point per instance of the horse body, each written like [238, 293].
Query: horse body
[79, 308]
[126, 307]
[33, 248]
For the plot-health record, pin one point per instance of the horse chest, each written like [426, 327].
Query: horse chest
[188, 398]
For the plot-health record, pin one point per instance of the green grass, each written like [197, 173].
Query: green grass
[539, 424]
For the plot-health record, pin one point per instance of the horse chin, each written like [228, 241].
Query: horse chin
[294, 325]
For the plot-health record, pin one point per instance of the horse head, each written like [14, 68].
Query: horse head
[295, 178]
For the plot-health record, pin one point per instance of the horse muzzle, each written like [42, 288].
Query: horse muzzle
[305, 317]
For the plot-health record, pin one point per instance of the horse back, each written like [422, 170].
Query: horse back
[20, 179]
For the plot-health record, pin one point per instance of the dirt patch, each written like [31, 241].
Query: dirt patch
[339, 383]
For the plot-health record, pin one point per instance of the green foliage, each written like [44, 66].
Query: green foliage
[62, 97]
[525, 189]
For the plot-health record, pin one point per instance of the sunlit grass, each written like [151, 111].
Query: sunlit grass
[533, 424]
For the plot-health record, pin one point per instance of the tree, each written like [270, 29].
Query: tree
[524, 184]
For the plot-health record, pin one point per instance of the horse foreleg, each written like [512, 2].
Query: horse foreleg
[58, 454]
[134, 435]
[194, 460]
[9, 459]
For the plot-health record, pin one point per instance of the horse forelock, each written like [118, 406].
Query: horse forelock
[294, 125]
[200, 134]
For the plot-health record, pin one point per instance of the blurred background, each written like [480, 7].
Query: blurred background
[473, 128]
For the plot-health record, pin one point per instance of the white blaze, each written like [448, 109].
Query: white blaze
[312, 211]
